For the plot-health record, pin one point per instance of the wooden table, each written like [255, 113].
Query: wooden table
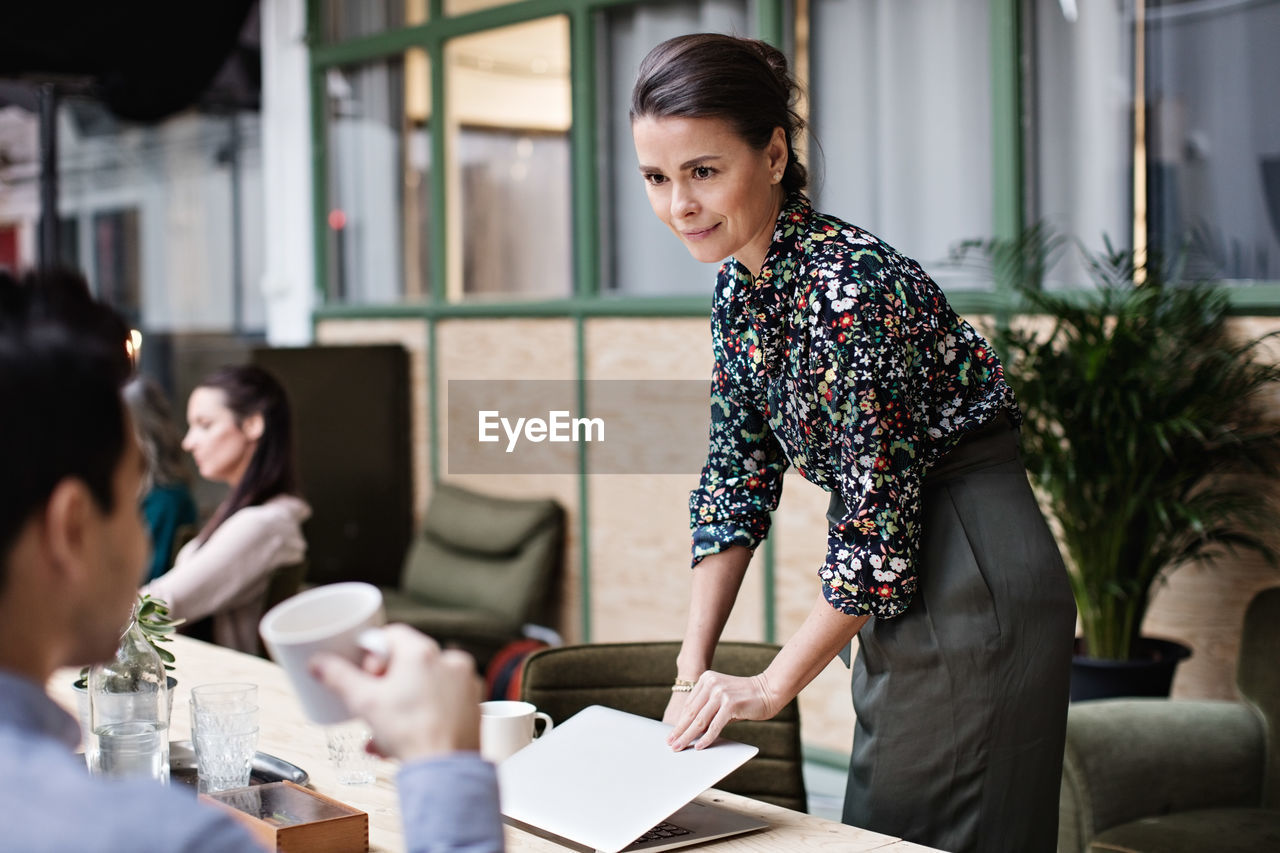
[286, 733]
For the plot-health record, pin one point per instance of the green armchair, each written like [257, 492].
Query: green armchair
[480, 570]
[1160, 776]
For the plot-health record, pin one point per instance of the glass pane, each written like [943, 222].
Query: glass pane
[379, 152]
[19, 178]
[640, 255]
[68, 242]
[115, 261]
[165, 219]
[902, 138]
[509, 181]
[1079, 170]
[346, 19]
[1213, 136]
[9, 260]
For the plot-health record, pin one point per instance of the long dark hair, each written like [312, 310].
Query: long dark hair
[742, 81]
[248, 390]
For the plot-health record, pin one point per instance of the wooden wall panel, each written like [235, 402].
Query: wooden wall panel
[515, 349]
[640, 572]
[1203, 606]
[649, 348]
[800, 542]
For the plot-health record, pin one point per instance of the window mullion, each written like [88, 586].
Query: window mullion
[583, 153]
[439, 152]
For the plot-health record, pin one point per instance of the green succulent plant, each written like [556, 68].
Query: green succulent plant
[157, 627]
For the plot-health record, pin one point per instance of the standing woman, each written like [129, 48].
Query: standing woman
[240, 433]
[838, 355]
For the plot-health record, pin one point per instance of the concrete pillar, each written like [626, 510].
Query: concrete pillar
[288, 282]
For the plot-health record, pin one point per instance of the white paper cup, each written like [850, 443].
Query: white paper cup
[340, 619]
[506, 727]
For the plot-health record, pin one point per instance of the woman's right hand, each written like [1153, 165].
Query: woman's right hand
[718, 699]
[675, 705]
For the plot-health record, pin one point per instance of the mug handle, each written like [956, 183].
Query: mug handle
[546, 719]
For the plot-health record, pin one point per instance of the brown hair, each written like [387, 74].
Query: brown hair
[742, 81]
[157, 432]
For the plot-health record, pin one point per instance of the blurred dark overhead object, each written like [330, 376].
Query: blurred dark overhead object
[145, 59]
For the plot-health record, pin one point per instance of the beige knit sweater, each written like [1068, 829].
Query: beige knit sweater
[227, 576]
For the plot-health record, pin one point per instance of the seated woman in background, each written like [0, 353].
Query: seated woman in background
[240, 433]
[167, 505]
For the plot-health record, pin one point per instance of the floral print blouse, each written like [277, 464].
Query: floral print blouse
[843, 359]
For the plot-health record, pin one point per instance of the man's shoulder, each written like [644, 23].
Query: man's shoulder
[64, 808]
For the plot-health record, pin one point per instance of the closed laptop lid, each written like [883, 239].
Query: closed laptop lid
[604, 777]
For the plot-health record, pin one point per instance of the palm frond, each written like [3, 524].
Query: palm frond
[1147, 423]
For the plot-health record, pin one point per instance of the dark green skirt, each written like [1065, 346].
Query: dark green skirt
[961, 701]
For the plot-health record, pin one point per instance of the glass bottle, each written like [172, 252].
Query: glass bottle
[129, 710]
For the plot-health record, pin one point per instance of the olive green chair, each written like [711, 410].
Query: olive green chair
[637, 677]
[1162, 776]
[480, 570]
[286, 582]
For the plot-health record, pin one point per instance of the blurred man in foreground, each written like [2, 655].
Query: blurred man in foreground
[72, 552]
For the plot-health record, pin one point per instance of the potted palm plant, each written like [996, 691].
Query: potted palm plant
[1147, 433]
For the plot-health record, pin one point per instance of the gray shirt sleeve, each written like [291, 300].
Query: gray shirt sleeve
[450, 805]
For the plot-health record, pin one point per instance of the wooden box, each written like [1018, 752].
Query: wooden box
[292, 819]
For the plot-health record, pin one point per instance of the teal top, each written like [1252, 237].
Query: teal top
[166, 509]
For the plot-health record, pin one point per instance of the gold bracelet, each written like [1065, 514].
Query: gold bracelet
[682, 686]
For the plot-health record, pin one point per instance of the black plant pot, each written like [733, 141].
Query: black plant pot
[1149, 672]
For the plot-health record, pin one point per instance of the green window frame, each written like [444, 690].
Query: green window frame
[431, 36]
[771, 23]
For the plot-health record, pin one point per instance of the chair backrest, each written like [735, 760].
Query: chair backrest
[637, 677]
[484, 552]
[286, 582]
[1258, 677]
[181, 536]
[358, 469]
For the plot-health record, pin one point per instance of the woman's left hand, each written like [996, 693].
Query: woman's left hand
[717, 700]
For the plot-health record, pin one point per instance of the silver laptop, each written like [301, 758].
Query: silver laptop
[603, 779]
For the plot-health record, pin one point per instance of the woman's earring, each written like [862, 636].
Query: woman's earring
[777, 176]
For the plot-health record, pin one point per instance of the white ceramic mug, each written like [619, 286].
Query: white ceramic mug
[506, 727]
[341, 619]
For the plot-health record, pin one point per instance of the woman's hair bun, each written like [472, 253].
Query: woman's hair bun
[746, 82]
